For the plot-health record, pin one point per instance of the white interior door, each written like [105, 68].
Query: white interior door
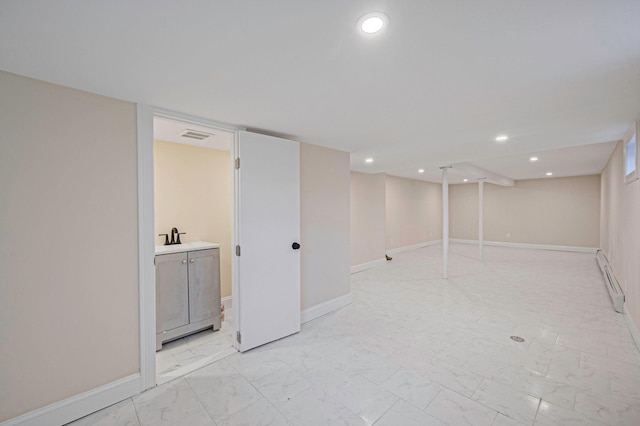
[268, 304]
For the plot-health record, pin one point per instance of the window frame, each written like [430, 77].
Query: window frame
[632, 134]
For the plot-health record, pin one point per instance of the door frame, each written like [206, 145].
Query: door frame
[146, 231]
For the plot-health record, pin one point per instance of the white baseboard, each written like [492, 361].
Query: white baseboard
[325, 307]
[633, 327]
[413, 246]
[368, 265]
[70, 409]
[528, 246]
[227, 302]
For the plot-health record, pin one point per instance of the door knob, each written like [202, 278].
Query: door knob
[192, 260]
[295, 246]
[184, 261]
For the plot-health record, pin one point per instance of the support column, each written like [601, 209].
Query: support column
[445, 221]
[481, 217]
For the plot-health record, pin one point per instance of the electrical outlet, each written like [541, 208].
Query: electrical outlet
[508, 235]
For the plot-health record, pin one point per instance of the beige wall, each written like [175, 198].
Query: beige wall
[324, 224]
[69, 246]
[620, 230]
[413, 212]
[367, 217]
[194, 193]
[558, 211]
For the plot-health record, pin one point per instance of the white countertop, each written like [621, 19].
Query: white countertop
[179, 248]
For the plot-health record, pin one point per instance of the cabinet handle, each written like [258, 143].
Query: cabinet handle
[184, 261]
[192, 260]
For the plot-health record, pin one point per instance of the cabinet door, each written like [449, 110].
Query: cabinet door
[204, 284]
[172, 294]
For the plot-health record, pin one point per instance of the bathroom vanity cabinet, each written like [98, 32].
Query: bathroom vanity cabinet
[187, 289]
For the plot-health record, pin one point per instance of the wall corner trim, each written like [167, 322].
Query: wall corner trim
[80, 405]
[529, 246]
[325, 307]
[414, 246]
[368, 265]
[632, 326]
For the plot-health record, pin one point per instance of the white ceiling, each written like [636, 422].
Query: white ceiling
[435, 87]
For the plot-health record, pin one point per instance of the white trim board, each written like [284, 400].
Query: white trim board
[528, 246]
[227, 302]
[80, 405]
[414, 246]
[368, 265]
[631, 325]
[146, 248]
[325, 307]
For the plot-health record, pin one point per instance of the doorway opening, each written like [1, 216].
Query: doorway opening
[193, 228]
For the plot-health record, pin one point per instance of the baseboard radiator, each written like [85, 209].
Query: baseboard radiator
[617, 296]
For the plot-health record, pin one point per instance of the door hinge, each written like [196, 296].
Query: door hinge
[237, 250]
[238, 337]
[237, 163]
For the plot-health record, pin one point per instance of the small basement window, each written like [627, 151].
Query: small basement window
[630, 151]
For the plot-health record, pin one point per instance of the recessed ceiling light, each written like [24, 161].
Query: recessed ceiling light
[465, 180]
[421, 171]
[549, 174]
[372, 23]
[501, 138]
[533, 159]
[369, 160]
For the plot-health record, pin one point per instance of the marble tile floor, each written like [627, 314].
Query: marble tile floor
[188, 354]
[414, 349]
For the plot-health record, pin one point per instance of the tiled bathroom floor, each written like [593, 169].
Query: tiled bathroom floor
[182, 356]
[414, 349]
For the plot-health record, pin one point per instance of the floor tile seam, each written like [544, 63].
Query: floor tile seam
[430, 402]
[227, 416]
[536, 396]
[453, 390]
[135, 410]
[243, 376]
[580, 415]
[583, 389]
[625, 364]
[509, 386]
[332, 394]
[497, 410]
[200, 368]
[411, 403]
[472, 400]
[388, 409]
[267, 400]
[198, 397]
[576, 349]
[535, 417]
[379, 417]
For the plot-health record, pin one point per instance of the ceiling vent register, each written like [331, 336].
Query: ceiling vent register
[194, 134]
